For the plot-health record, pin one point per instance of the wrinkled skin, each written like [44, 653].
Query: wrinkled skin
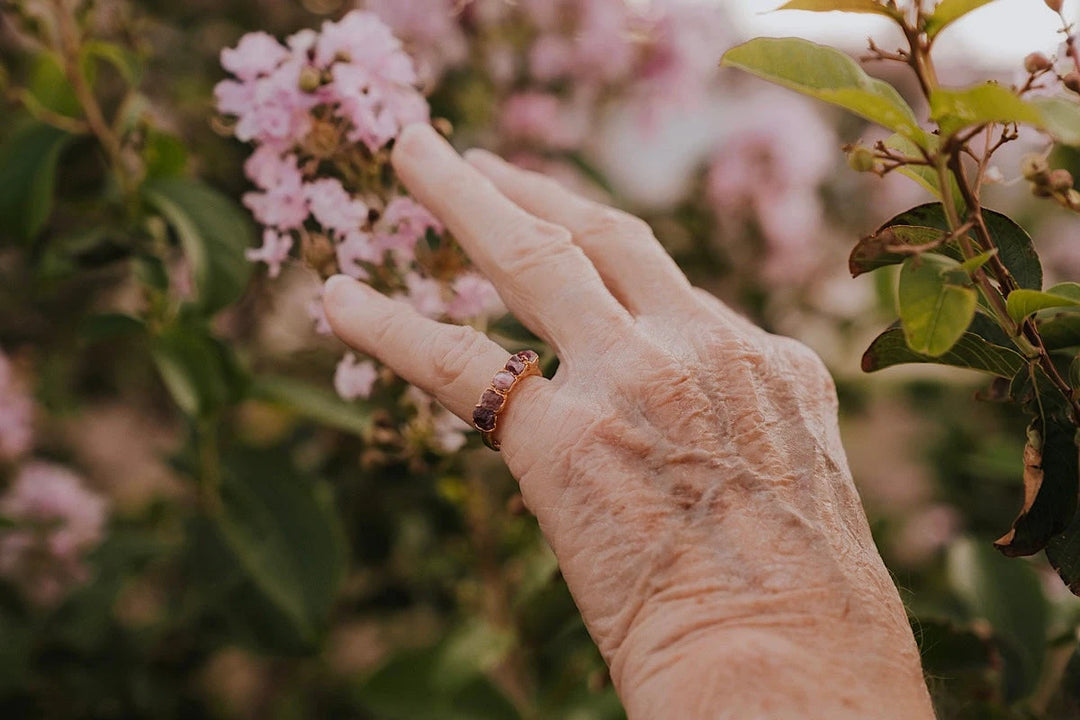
[684, 465]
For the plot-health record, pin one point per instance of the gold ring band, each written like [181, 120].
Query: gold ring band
[493, 400]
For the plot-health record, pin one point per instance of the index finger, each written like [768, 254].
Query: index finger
[545, 280]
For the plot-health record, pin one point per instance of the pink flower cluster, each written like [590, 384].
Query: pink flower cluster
[57, 521]
[309, 105]
[16, 413]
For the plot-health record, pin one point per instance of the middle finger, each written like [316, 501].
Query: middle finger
[545, 280]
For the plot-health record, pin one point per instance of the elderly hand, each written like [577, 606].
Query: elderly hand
[684, 465]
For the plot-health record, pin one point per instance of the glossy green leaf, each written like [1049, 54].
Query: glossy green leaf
[970, 351]
[313, 402]
[1022, 303]
[826, 74]
[972, 264]
[853, 6]
[109, 326]
[948, 12]
[934, 310]
[28, 162]
[1007, 594]
[1063, 552]
[282, 529]
[1050, 488]
[1014, 245]
[890, 245]
[213, 233]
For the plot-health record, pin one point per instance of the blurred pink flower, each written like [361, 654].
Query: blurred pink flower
[354, 379]
[425, 295]
[333, 207]
[542, 118]
[256, 54]
[551, 57]
[57, 521]
[267, 168]
[429, 30]
[317, 313]
[16, 413]
[474, 296]
[402, 224]
[283, 205]
[450, 430]
[357, 247]
[274, 251]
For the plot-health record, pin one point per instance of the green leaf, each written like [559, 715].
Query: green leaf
[890, 245]
[1063, 552]
[214, 233]
[1022, 303]
[50, 87]
[314, 403]
[972, 264]
[970, 351]
[200, 373]
[1060, 331]
[1060, 118]
[829, 75]
[934, 311]
[1051, 483]
[446, 681]
[1008, 594]
[948, 12]
[164, 155]
[283, 531]
[121, 58]
[109, 326]
[854, 6]
[955, 110]
[28, 162]
[1014, 245]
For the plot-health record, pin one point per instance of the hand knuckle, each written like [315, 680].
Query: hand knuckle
[455, 350]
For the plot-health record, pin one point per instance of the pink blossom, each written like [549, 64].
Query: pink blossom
[357, 247]
[268, 168]
[425, 295]
[551, 57]
[450, 431]
[283, 204]
[429, 30]
[402, 224]
[269, 109]
[377, 108]
[333, 207]
[256, 54]
[354, 379]
[360, 38]
[317, 312]
[16, 413]
[542, 118]
[605, 47]
[474, 296]
[274, 251]
[58, 520]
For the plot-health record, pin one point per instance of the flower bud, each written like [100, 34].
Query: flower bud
[1054, 5]
[1060, 180]
[1040, 190]
[310, 79]
[861, 159]
[1072, 81]
[1035, 168]
[1037, 62]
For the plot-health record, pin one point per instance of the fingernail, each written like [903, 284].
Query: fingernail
[339, 291]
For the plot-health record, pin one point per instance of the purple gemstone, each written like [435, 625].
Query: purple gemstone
[515, 365]
[502, 381]
[528, 356]
[492, 401]
[484, 419]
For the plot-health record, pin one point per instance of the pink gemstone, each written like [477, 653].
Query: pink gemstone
[515, 365]
[484, 419]
[492, 400]
[528, 356]
[502, 381]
